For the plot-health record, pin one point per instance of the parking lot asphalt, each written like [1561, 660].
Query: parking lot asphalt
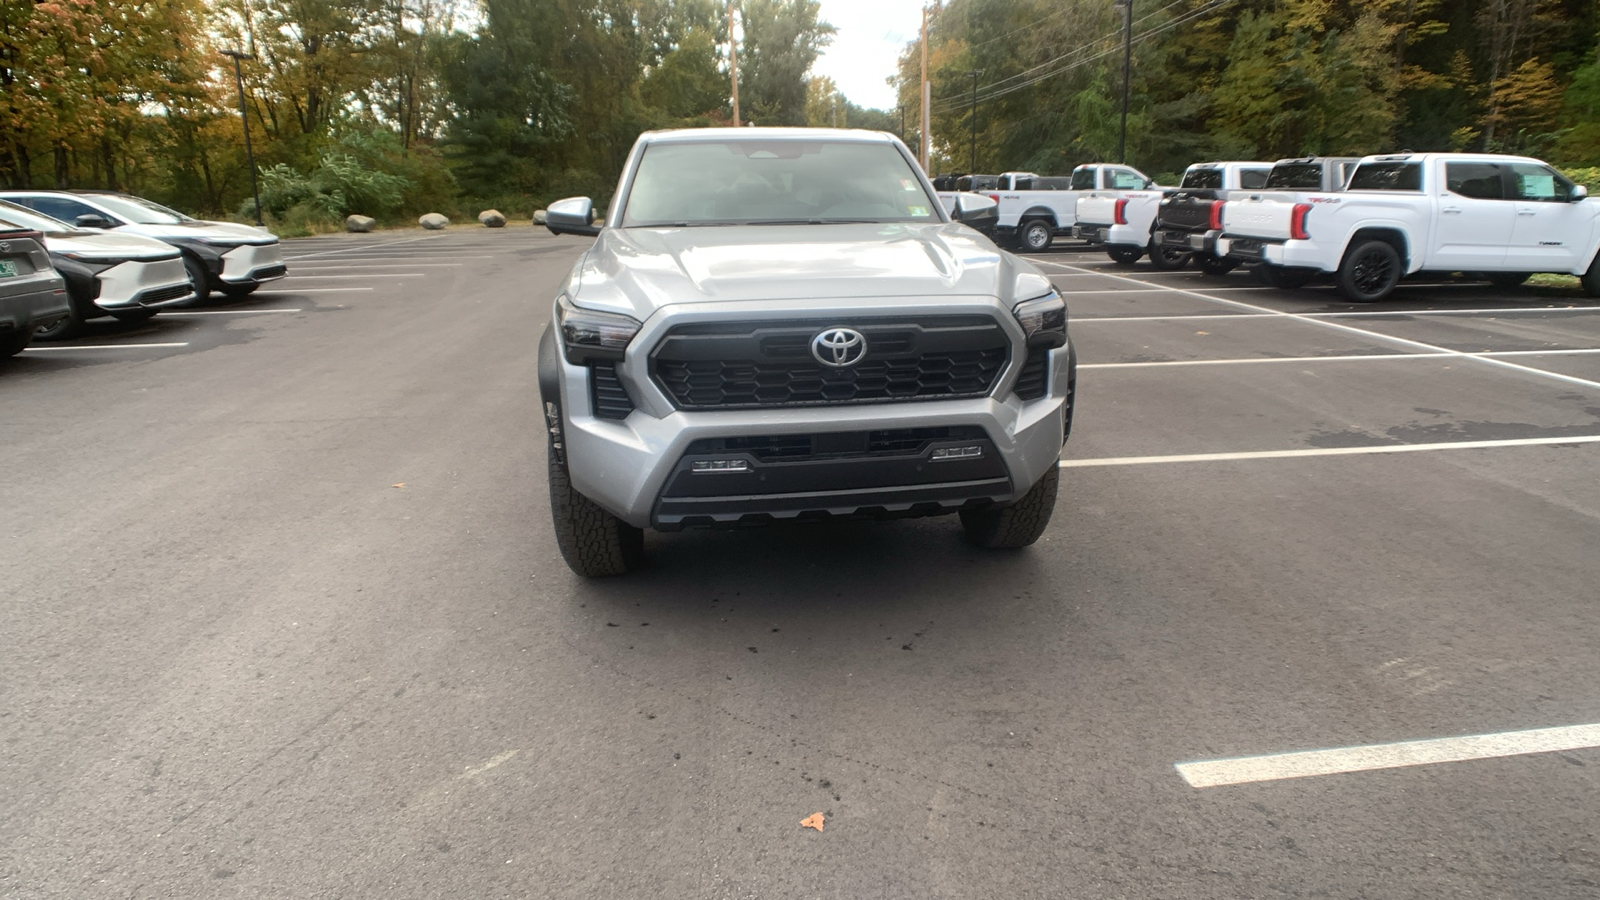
[285, 616]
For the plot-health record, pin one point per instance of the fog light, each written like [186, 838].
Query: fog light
[944, 453]
[720, 465]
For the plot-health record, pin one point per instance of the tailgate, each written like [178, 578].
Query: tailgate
[1097, 208]
[1258, 218]
[1186, 213]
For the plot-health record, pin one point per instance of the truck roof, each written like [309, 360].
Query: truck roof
[1213, 165]
[712, 135]
[1426, 157]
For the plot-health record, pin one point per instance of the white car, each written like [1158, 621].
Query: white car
[1503, 217]
[121, 275]
[224, 256]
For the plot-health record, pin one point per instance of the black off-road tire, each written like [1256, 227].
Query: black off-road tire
[1165, 258]
[1125, 256]
[1286, 277]
[1507, 279]
[1019, 524]
[594, 543]
[1591, 278]
[1211, 264]
[1369, 272]
[14, 341]
[1036, 235]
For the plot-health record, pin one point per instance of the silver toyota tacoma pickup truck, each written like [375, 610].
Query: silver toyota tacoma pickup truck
[785, 324]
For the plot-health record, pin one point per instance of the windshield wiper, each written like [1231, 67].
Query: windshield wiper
[814, 221]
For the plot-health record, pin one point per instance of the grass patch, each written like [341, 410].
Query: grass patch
[1549, 280]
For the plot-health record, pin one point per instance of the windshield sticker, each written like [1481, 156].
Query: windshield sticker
[907, 184]
[919, 210]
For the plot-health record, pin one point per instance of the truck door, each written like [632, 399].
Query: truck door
[1474, 220]
[1551, 229]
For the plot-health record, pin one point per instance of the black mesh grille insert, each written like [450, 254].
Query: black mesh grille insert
[741, 365]
[1033, 383]
[270, 271]
[606, 392]
[166, 293]
[838, 444]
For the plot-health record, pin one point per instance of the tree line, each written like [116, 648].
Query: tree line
[395, 107]
[1259, 79]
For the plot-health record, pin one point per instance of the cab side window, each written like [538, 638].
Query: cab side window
[1478, 180]
[1540, 184]
[1250, 179]
[1126, 180]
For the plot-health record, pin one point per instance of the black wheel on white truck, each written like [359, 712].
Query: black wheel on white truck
[1369, 272]
[1167, 259]
[1124, 256]
[1211, 264]
[1036, 235]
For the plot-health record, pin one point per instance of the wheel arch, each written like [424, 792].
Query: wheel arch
[1391, 235]
[1040, 212]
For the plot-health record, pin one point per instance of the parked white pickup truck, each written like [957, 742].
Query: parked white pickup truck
[1504, 217]
[1034, 217]
[1187, 218]
[1121, 214]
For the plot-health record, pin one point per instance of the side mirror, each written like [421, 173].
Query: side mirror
[976, 210]
[92, 220]
[574, 215]
[1579, 192]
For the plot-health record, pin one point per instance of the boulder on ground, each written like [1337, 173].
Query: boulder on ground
[538, 217]
[492, 218]
[359, 224]
[433, 222]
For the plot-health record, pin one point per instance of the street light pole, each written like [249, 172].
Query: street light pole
[972, 160]
[249, 154]
[1127, 74]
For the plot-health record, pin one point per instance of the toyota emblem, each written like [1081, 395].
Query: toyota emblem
[839, 347]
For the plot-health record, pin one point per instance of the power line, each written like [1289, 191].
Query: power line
[992, 93]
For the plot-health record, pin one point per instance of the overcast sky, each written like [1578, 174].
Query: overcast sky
[871, 35]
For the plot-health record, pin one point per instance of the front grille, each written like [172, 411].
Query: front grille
[732, 366]
[1033, 383]
[270, 271]
[837, 445]
[158, 295]
[606, 393]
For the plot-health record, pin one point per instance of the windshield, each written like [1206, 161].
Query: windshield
[775, 182]
[1202, 178]
[138, 211]
[22, 217]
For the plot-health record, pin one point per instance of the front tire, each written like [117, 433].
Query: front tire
[1212, 264]
[1369, 272]
[1036, 235]
[199, 279]
[1167, 259]
[1591, 278]
[235, 291]
[14, 341]
[134, 315]
[594, 543]
[1018, 524]
[1125, 256]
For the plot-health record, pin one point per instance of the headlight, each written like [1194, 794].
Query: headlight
[589, 335]
[1043, 320]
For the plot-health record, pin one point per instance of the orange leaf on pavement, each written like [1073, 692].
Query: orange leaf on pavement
[812, 821]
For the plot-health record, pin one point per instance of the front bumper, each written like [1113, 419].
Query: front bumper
[253, 264]
[144, 284]
[640, 468]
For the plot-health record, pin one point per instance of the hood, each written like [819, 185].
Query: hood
[230, 232]
[109, 244]
[637, 271]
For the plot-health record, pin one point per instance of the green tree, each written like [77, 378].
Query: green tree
[781, 41]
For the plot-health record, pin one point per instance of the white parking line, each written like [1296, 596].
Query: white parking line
[1339, 315]
[223, 312]
[311, 290]
[368, 275]
[1311, 359]
[1351, 329]
[1279, 766]
[360, 247]
[411, 263]
[104, 347]
[1102, 461]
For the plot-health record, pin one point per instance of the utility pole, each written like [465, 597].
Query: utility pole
[1127, 75]
[249, 154]
[923, 138]
[972, 165]
[733, 64]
